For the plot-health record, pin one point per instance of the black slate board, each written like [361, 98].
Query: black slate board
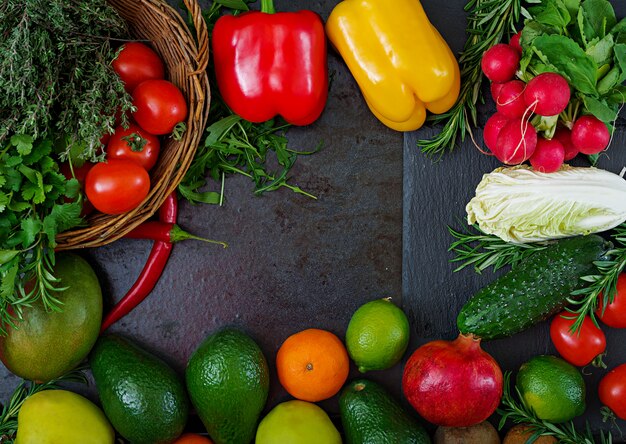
[435, 195]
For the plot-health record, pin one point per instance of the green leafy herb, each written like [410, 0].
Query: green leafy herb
[582, 41]
[56, 80]
[33, 211]
[8, 416]
[232, 145]
[520, 413]
[488, 20]
[475, 247]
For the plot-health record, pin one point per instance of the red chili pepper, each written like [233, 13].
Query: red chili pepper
[151, 272]
[164, 232]
[169, 210]
[270, 63]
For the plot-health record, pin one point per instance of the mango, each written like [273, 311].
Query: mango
[46, 345]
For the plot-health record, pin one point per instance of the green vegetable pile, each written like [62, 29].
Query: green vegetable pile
[583, 42]
[58, 96]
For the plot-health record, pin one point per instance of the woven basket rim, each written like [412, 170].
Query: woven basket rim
[186, 59]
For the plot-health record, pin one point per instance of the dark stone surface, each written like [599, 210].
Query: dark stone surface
[295, 263]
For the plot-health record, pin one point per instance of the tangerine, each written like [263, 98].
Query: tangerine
[192, 438]
[312, 365]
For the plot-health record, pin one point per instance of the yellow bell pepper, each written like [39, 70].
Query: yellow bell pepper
[399, 60]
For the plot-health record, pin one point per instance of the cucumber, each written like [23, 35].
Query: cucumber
[534, 290]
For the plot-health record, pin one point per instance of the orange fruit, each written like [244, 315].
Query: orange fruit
[312, 365]
[192, 438]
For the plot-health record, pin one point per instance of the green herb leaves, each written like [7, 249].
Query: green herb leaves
[582, 41]
[55, 75]
[32, 212]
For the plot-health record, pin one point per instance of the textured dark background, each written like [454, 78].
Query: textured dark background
[296, 263]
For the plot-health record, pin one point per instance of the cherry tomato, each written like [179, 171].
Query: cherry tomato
[137, 63]
[134, 144]
[160, 106]
[117, 186]
[577, 348]
[615, 313]
[612, 391]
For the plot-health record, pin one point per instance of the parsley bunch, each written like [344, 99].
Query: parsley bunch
[32, 212]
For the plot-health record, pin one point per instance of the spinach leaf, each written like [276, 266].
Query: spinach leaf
[620, 60]
[570, 60]
[552, 13]
[600, 109]
[602, 51]
[598, 18]
[572, 7]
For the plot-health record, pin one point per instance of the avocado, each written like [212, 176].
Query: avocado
[228, 382]
[371, 416]
[142, 396]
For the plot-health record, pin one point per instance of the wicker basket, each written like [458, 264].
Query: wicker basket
[185, 59]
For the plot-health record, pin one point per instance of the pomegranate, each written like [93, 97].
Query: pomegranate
[453, 383]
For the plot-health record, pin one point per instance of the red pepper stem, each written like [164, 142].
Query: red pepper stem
[267, 6]
[177, 234]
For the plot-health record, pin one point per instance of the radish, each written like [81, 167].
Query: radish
[496, 87]
[548, 94]
[510, 101]
[453, 383]
[500, 62]
[516, 142]
[564, 135]
[515, 42]
[548, 156]
[590, 135]
[492, 128]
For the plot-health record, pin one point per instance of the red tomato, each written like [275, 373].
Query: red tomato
[192, 438]
[615, 313]
[142, 148]
[137, 63]
[577, 348]
[117, 186]
[160, 106]
[612, 391]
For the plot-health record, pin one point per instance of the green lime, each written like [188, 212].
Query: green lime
[377, 335]
[553, 388]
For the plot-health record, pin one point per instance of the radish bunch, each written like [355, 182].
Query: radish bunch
[510, 134]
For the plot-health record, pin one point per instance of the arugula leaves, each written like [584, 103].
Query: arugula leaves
[32, 212]
[582, 41]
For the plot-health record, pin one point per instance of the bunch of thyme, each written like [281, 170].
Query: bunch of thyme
[56, 79]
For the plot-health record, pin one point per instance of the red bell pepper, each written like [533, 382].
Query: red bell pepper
[270, 63]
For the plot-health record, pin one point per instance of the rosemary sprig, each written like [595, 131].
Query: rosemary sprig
[8, 416]
[584, 301]
[474, 247]
[488, 20]
[521, 413]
